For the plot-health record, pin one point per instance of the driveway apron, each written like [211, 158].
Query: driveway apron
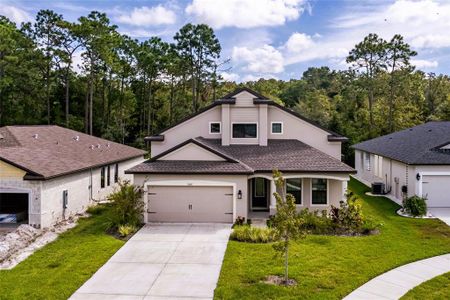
[162, 261]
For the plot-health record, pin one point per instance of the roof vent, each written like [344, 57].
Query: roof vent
[35, 135]
[92, 147]
[108, 145]
[98, 145]
[1, 136]
[76, 138]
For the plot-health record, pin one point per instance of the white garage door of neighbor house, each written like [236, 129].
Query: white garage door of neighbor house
[190, 204]
[437, 190]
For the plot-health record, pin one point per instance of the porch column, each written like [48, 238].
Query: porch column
[273, 202]
[344, 190]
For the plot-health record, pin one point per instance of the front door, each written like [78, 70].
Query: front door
[260, 194]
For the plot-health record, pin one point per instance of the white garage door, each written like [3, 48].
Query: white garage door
[190, 204]
[437, 190]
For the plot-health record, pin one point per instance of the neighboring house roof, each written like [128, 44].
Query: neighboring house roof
[47, 151]
[259, 99]
[284, 155]
[419, 145]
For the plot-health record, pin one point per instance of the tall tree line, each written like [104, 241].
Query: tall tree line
[87, 76]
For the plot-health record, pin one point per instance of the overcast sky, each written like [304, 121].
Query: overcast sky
[274, 38]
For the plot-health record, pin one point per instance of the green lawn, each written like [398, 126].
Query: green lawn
[58, 269]
[434, 289]
[330, 267]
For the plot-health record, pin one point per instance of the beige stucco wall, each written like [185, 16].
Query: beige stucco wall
[244, 111]
[295, 128]
[197, 126]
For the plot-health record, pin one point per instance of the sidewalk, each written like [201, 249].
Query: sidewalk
[397, 282]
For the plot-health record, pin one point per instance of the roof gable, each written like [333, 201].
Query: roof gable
[192, 151]
[245, 92]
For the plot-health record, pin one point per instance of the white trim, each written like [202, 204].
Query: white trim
[220, 127]
[190, 183]
[245, 138]
[277, 122]
[328, 194]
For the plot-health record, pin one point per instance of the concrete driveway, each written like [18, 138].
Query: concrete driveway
[162, 261]
[442, 213]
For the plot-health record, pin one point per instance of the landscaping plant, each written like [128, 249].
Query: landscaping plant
[126, 230]
[249, 234]
[286, 222]
[126, 205]
[415, 206]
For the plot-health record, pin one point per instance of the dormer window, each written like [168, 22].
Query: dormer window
[277, 128]
[245, 130]
[214, 128]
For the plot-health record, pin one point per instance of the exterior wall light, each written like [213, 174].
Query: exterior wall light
[418, 176]
[239, 195]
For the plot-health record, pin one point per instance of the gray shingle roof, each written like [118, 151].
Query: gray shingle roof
[284, 155]
[47, 151]
[418, 145]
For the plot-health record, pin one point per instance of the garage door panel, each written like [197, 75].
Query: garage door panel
[190, 204]
[437, 190]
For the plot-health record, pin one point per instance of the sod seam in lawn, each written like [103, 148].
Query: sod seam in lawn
[57, 270]
[330, 267]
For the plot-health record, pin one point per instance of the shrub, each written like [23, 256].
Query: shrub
[96, 209]
[125, 230]
[314, 222]
[246, 233]
[369, 226]
[126, 205]
[348, 217]
[415, 206]
[239, 221]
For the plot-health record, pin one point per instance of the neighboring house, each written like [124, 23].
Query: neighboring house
[48, 173]
[217, 164]
[414, 161]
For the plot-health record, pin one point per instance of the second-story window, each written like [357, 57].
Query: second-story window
[245, 130]
[277, 127]
[214, 127]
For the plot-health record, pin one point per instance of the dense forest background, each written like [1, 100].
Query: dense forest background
[123, 89]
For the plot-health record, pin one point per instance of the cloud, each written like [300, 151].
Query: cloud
[15, 14]
[230, 76]
[299, 41]
[251, 77]
[424, 64]
[245, 13]
[148, 16]
[265, 59]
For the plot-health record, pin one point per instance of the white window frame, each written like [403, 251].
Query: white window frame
[311, 192]
[245, 138]
[220, 127]
[276, 122]
[301, 187]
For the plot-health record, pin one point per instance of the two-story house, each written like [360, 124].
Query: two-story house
[217, 164]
